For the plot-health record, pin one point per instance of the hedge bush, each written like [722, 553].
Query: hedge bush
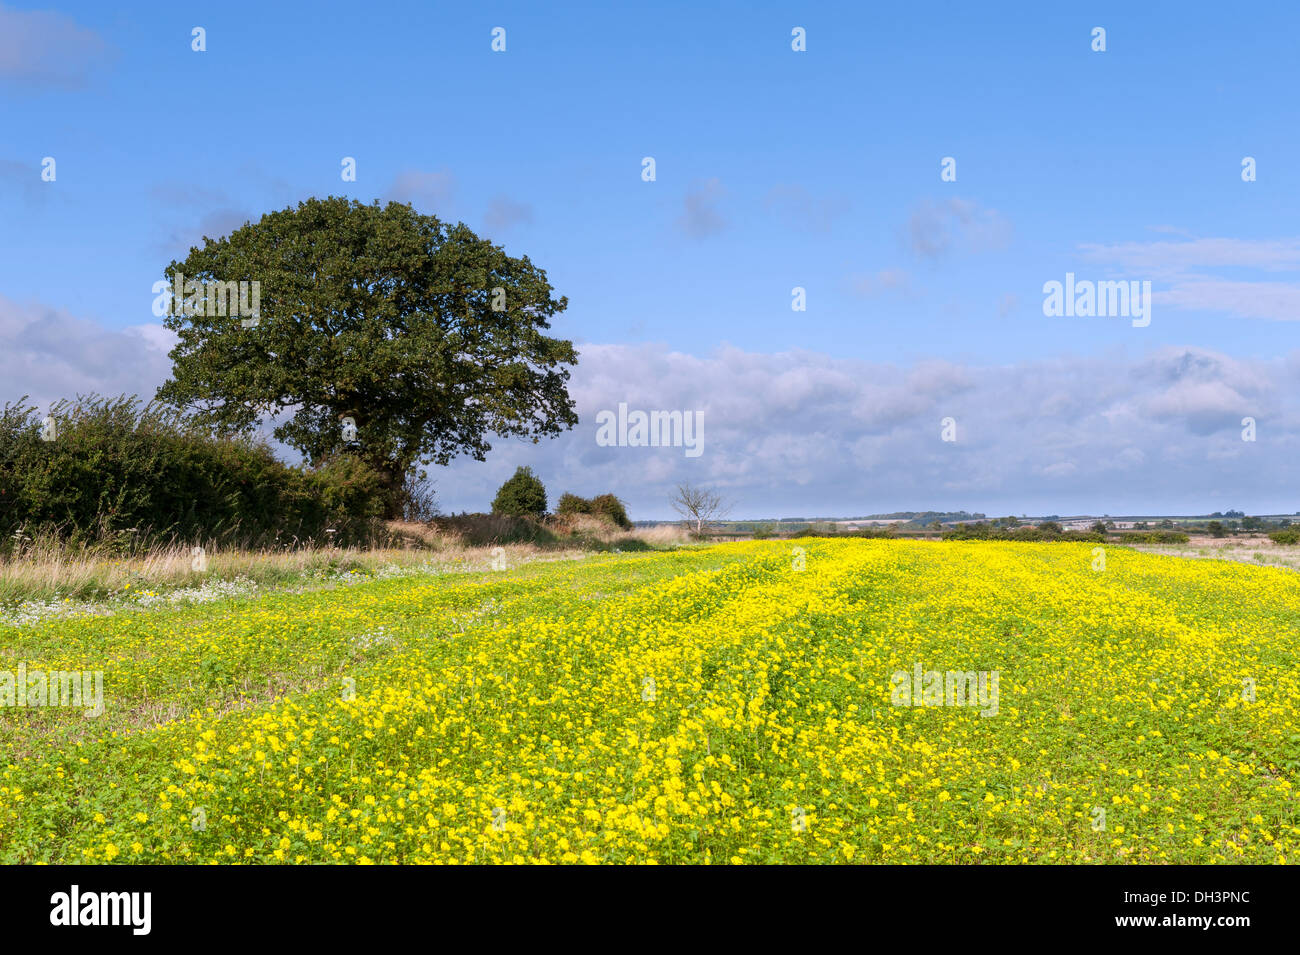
[1153, 537]
[116, 470]
[988, 532]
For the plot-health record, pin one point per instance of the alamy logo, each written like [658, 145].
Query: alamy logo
[83, 689]
[103, 908]
[955, 688]
[1088, 299]
[208, 298]
[655, 429]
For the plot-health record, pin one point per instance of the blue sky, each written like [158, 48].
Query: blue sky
[775, 169]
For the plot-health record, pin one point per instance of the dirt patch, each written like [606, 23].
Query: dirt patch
[1260, 551]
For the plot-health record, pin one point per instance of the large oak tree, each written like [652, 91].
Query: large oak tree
[427, 336]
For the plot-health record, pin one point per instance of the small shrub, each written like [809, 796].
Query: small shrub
[1154, 537]
[572, 504]
[606, 506]
[988, 532]
[523, 495]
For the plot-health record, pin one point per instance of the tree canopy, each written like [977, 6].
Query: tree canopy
[428, 337]
[522, 495]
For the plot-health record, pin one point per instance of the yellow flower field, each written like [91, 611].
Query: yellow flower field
[735, 704]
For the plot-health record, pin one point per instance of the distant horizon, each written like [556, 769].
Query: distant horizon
[1212, 515]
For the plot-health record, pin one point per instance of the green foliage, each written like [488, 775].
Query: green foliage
[608, 506]
[826, 529]
[923, 517]
[985, 531]
[572, 504]
[118, 470]
[523, 495]
[1216, 529]
[340, 485]
[427, 336]
[1154, 537]
[1286, 537]
[820, 529]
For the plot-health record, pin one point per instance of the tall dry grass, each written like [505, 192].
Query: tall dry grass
[48, 569]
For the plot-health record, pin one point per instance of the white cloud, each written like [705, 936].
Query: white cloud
[48, 354]
[1275, 301]
[800, 433]
[40, 48]
[806, 434]
[937, 228]
[1160, 257]
[428, 192]
[1186, 268]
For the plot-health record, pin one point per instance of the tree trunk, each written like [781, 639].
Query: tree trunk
[394, 485]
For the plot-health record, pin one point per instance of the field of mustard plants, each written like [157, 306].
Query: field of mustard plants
[735, 704]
